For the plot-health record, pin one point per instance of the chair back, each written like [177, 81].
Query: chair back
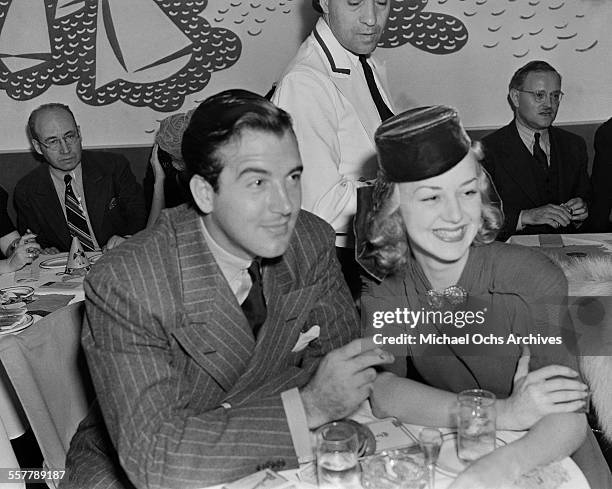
[47, 368]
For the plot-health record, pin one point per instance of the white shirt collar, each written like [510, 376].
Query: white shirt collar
[527, 136]
[340, 59]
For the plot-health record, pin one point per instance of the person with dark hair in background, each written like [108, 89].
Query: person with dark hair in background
[219, 336]
[601, 180]
[165, 182]
[336, 93]
[91, 195]
[539, 170]
[18, 250]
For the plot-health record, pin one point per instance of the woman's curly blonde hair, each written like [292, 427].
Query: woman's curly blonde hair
[387, 238]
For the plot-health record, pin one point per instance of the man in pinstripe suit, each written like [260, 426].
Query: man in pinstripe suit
[190, 394]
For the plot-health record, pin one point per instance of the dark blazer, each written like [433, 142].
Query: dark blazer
[167, 343]
[114, 199]
[601, 179]
[511, 165]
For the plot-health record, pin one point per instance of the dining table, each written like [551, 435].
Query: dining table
[568, 246]
[51, 289]
[391, 434]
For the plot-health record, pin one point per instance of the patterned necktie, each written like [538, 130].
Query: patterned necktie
[538, 152]
[383, 110]
[77, 224]
[254, 306]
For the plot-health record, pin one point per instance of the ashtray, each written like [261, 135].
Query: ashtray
[403, 468]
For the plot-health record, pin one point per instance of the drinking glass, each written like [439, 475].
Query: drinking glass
[475, 424]
[337, 448]
[430, 440]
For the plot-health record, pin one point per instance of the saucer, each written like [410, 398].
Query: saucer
[26, 321]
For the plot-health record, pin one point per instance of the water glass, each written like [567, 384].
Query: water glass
[475, 424]
[337, 449]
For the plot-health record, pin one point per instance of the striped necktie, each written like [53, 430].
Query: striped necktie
[77, 224]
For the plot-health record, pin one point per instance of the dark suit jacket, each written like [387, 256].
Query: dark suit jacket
[601, 179]
[511, 166]
[167, 343]
[114, 199]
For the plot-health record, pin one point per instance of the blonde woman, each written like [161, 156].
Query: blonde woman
[430, 242]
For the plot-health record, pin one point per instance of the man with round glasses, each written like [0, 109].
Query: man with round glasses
[540, 171]
[93, 196]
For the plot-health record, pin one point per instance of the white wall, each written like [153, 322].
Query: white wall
[474, 79]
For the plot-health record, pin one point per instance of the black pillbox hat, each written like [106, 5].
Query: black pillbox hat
[421, 143]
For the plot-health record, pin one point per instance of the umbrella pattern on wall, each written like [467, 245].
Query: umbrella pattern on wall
[97, 45]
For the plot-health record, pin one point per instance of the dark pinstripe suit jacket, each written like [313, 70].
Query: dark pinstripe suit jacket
[167, 343]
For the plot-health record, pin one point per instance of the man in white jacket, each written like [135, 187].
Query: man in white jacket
[336, 94]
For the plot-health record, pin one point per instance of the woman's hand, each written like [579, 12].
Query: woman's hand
[25, 251]
[488, 472]
[548, 390]
[158, 171]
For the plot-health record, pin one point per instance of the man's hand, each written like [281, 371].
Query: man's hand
[342, 381]
[24, 250]
[112, 242]
[577, 208]
[551, 214]
[51, 250]
[548, 390]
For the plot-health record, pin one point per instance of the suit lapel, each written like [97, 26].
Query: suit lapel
[519, 163]
[558, 154]
[51, 207]
[351, 85]
[96, 194]
[217, 334]
[361, 100]
[288, 311]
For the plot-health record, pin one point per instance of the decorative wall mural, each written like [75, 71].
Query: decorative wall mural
[435, 33]
[533, 27]
[143, 52]
[251, 15]
[530, 26]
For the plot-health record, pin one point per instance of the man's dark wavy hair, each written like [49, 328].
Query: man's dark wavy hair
[219, 120]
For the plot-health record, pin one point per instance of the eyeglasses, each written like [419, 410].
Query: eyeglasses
[55, 144]
[542, 95]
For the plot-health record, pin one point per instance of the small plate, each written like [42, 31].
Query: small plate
[21, 325]
[60, 261]
[449, 463]
[22, 292]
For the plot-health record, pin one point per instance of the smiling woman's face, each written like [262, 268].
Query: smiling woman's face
[443, 213]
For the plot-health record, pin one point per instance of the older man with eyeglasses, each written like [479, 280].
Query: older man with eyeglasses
[539, 170]
[93, 196]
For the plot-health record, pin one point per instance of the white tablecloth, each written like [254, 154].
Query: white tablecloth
[11, 414]
[448, 459]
